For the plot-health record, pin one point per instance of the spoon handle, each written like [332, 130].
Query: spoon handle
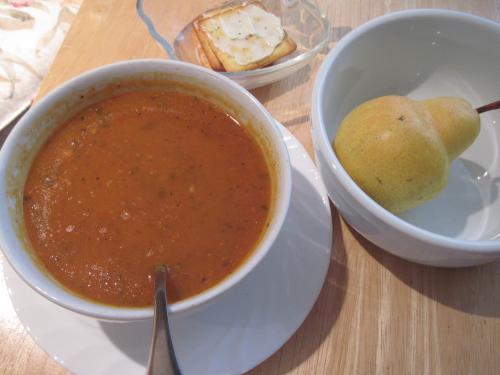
[162, 359]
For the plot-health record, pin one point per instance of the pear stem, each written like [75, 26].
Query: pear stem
[489, 107]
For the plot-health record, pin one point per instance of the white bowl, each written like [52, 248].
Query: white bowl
[421, 54]
[31, 132]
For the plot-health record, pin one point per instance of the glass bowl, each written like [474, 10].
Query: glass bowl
[302, 20]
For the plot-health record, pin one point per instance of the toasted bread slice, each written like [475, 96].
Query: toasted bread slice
[286, 47]
[223, 60]
[200, 53]
[206, 54]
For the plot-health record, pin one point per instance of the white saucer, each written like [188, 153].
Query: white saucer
[230, 336]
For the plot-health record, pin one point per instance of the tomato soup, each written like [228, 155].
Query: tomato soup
[142, 179]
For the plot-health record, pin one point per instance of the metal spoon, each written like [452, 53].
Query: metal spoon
[162, 359]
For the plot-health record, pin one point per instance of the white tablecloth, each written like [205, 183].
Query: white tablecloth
[31, 32]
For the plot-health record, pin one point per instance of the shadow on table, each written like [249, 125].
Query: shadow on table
[320, 321]
[468, 289]
[338, 32]
[269, 92]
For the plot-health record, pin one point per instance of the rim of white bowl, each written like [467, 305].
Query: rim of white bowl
[10, 244]
[466, 246]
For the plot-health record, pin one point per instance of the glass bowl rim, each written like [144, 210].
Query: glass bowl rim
[314, 9]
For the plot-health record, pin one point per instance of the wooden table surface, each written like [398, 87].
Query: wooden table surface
[376, 314]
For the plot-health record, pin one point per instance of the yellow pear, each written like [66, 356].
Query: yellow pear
[456, 121]
[398, 150]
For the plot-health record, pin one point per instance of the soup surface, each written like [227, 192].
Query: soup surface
[141, 179]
